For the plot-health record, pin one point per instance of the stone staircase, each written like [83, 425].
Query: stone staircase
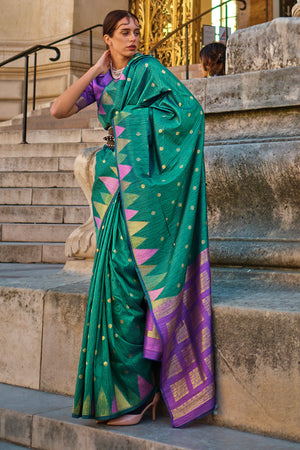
[252, 165]
[41, 200]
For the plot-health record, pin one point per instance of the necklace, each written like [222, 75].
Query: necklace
[116, 73]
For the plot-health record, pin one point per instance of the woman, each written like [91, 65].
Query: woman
[212, 59]
[149, 296]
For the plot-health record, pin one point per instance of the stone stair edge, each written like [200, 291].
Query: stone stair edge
[76, 135]
[50, 426]
[237, 325]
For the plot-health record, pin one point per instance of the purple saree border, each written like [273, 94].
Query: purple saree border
[187, 379]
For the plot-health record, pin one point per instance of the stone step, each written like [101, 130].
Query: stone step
[43, 421]
[15, 232]
[256, 326]
[58, 196]
[54, 136]
[44, 214]
[38, 179]
[42, 196]
[36, 164]
[42, 119]
[44, 150]
[32, 253]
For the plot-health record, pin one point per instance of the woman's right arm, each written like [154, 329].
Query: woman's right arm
[65, 104]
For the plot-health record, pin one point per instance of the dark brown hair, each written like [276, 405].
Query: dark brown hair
[113, 17]
[212, 58]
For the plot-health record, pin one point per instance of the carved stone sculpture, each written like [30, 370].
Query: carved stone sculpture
[81, 243]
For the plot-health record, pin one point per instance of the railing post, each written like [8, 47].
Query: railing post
[34, 81]
[187, 50]
[91, 48]
[24, 141]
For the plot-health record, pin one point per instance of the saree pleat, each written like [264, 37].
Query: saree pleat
[113, 376]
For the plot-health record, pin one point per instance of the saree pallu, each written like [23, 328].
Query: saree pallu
[153, 196]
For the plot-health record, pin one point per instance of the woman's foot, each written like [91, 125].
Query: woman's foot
[134, 419]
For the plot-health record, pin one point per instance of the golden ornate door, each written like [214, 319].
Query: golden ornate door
[160, 17]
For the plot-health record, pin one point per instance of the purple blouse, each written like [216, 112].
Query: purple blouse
[93, 91]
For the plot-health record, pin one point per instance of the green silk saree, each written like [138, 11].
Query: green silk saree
[149, 297]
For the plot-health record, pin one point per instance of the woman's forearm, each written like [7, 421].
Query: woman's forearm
[65, 104]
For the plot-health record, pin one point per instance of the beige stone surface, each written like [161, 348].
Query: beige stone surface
[40, 179]
[62, 336]
[53, 253]
[92, 136]
[79, 265]
[45, 150]
[14, 137]
[15, 427]
[54, 136]
[28, 164]
[9, 108]
[32, 214]
[21, 318]
[257, 371]
[270, 45]
[66, 164]
[11, 90]
[247, 91]
[12, 196]
[70, 196]
[76, 214]
[29, 20]
[36, 232]
[21, 253]
[253, 125]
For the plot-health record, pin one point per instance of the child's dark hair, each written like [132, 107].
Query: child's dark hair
[212, 58]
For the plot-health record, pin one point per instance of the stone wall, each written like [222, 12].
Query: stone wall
[24, 24]
[271, 45]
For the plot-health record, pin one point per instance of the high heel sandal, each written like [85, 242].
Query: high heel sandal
[134, 419]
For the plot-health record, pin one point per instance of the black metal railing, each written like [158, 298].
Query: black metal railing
[34, 50]
[186, 26]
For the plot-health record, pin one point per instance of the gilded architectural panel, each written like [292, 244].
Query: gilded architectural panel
[160, 17]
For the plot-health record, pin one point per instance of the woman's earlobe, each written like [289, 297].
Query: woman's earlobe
[106, 39]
